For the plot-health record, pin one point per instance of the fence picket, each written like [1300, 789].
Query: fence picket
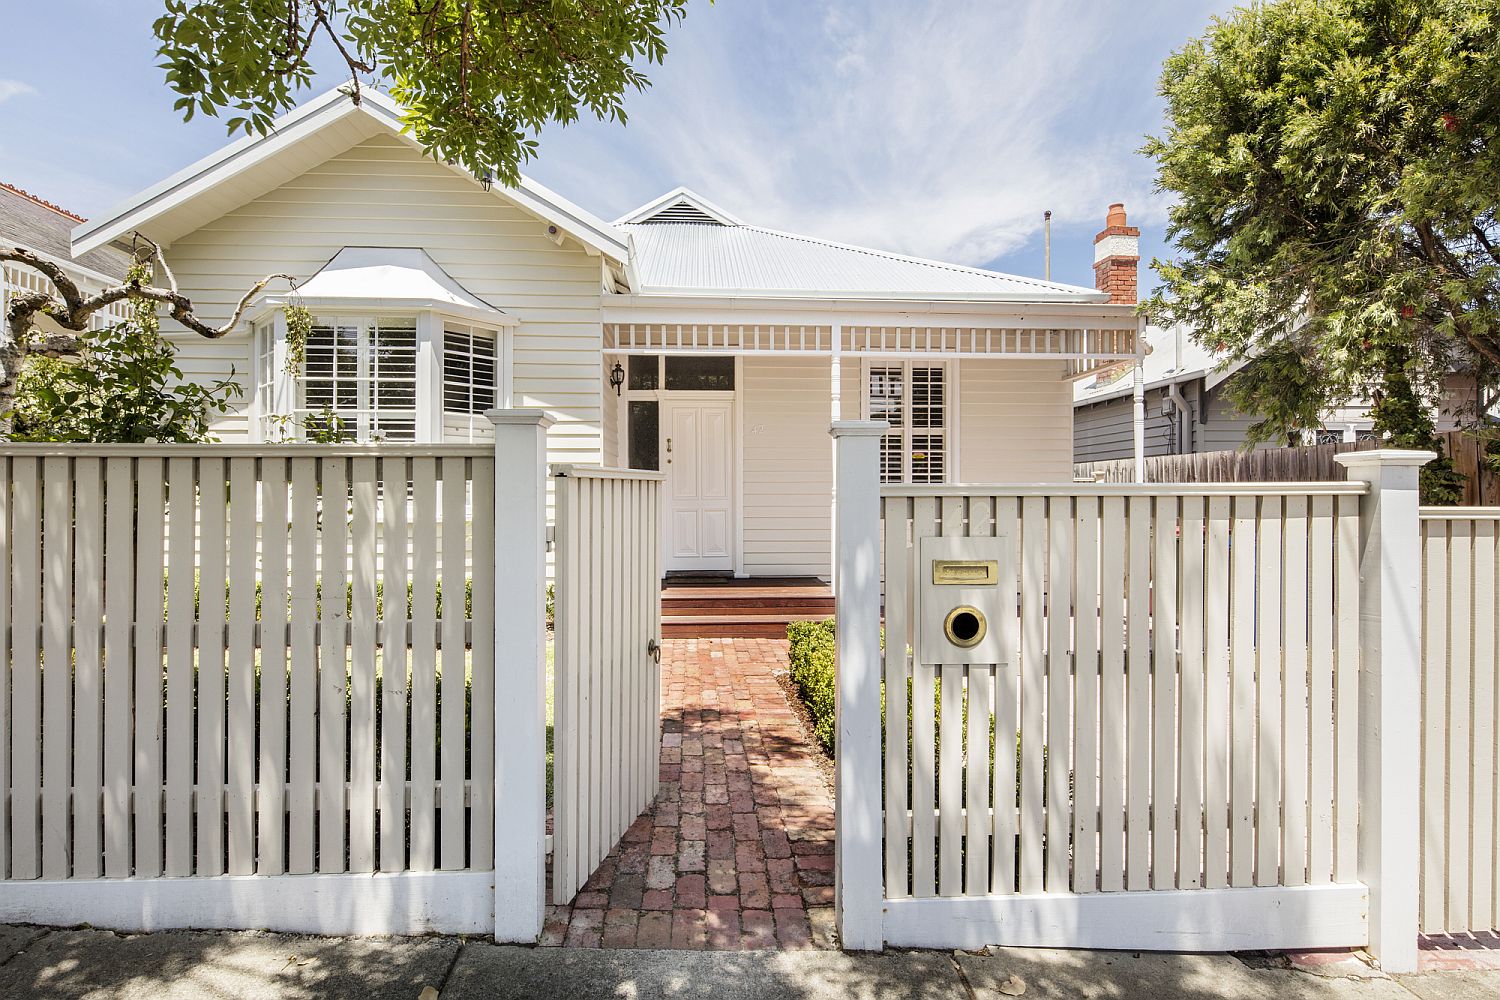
[1216, 699]
[924, 742]
[1268, 704]
[119, 563]
[1033, 691]
[1060, 604]
[1164, 734]
[1007, 698]
[951, 745]
[181, 586]
[1320, 692]
[26, 673]
[978, 750]
[1294, 701]
[1242, 693]
[302, 803]
[243, 514]
[208, 780]
[897, 576]
[1112, 697]
[6, 540]
[452, 828]
[482, 725]
[270, 854]
[1086, 696]
[1138, 699]
[1482, 870]
[57, 652]
[333, 666]
[1346, 693]
[362, 597]
[424, 731]
[150, 543]
[1192, 583]
[1460, 667]
[393, 664]
[88, 663]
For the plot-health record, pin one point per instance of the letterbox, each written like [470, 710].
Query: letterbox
[958, 611]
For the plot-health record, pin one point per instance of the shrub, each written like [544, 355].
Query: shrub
[812, 671]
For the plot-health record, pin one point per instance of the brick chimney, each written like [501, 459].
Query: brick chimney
[1117, 251]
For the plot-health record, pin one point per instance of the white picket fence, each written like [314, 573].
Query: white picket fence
[273, 710]
[607, 685]
[1155, 703]
[1460, 849]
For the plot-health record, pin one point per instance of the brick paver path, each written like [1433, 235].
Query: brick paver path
[737, 850]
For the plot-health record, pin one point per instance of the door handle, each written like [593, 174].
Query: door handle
[669, 451]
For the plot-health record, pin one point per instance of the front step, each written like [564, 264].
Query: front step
[758, 608]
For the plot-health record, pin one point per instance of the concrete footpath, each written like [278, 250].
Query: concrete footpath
[44, 962]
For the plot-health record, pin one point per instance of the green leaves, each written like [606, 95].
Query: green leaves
[1337, 179]
[480, 78]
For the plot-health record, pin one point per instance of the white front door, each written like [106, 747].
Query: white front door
[698, 458]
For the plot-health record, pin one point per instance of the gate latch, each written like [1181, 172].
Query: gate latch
[653, 649]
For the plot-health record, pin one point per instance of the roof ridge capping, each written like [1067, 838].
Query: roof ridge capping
[42, 202]
[680, 205]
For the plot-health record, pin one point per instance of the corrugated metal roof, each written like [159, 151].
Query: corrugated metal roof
[47, 229]
[684, 258]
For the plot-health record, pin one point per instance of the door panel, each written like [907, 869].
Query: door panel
[698, 455]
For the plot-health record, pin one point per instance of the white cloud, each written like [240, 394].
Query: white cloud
[14, 88]
[940, 128]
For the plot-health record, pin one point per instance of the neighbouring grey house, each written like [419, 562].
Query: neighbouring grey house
[1187, 411]
[46, 229]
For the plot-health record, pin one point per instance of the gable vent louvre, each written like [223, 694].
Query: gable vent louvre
[682, 211]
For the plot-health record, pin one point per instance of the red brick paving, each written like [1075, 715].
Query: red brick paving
[737, 850]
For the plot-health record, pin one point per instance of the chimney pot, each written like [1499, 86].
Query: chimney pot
[1116, 215]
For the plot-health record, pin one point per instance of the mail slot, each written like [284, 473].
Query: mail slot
[959, 611]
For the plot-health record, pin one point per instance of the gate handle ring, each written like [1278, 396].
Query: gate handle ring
[653, 649]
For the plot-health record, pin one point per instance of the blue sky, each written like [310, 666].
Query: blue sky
[940, 128]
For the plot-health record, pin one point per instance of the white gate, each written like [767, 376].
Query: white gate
[607, 686]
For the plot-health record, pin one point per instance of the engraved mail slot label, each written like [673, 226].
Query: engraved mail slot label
[965, 572]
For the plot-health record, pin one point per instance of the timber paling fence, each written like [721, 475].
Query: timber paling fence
[1309, 463]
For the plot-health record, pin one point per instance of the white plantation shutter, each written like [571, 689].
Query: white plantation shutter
[364, 371]
[913, 398]
[470, 383]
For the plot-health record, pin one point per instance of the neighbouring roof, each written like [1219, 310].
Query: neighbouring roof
[389, 277]
[1174, 357]
[684, 245]
[299, 140]
[45, 228]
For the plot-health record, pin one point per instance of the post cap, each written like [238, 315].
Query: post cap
[533, 418]
[858, 428]
[1392, 457]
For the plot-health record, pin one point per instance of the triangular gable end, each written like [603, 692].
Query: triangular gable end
[245, 168]
[683, 206]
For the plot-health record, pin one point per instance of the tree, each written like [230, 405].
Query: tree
[478, 78]
[124, 386]
[1337, 175]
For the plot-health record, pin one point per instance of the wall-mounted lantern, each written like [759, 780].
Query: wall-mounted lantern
[617, 377]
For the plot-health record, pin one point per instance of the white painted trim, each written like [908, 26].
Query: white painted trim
[1125, 489]
[429, 401]
[203, 176]
[1322, 916]
[737, 422]
[746, 308]
[399, 903]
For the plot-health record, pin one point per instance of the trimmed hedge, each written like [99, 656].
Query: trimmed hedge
[812, 672]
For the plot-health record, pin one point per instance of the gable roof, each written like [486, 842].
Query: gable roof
[681, 205]
[299, 140]
[44, 228]
[679, 258]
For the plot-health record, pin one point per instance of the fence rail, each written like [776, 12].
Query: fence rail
[181, 742]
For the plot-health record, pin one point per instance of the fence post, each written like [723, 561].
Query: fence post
[1390, 660]
[520, 672]
[859, 887]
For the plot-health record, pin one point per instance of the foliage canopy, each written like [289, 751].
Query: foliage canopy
[1337, 175]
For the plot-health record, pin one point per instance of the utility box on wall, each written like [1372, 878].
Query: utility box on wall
[958, 612]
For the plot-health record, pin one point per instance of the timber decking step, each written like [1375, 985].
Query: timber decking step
[761, 607]
[735, 627]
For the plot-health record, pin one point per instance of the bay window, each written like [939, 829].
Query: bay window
[914, 398]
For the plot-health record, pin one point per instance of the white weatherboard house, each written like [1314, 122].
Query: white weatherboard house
[678, 337]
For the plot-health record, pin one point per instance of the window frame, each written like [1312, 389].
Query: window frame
[948, 432]
[275, 393]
